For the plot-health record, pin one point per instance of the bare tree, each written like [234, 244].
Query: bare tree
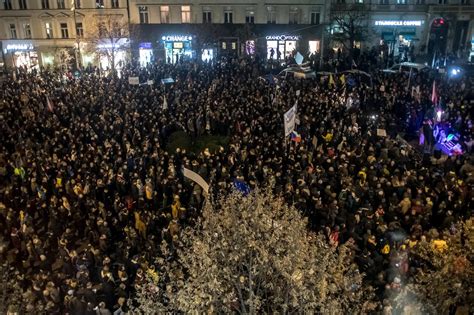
[64, 57]
[107, 35]
[10, 291]
[253, 255]
[445, 278]
[349, 25]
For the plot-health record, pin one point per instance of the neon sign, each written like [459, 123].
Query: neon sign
[177, 38]
[283, 37]
[398, 23]
[19, 47]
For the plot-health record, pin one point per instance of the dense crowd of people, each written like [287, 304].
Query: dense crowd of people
[90, 195]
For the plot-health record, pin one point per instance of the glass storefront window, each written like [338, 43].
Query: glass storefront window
[207, 55]
[314, 46]
[145, 56]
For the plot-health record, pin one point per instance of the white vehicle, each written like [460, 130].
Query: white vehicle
[297, 72]
[407, 67]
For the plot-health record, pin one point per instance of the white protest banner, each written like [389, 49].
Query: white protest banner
[133, 81]
[289, 119]
[298, 92]
[150, 82]
[196, 178]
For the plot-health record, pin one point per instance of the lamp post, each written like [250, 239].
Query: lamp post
[78, 47]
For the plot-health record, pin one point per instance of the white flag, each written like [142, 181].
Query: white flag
[165, 103]
[196, 178]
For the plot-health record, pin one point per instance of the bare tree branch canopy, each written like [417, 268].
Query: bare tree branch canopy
[253, 255]
[349, 22]
[106, 35]
[445, 276]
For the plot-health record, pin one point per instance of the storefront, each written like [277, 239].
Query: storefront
[178, 47]
[229, 46]
[250, 48]
[145, 53]
[207, 54]
[112, 51]
[22, 54]
[399, 36]
[314, 47]
[281, 46]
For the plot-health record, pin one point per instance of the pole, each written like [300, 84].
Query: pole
[78, 48]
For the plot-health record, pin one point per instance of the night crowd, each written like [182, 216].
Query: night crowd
[89, 194]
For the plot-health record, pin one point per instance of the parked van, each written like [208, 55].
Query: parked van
[407, 67]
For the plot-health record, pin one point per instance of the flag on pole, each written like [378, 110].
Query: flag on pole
[296, 137]
[331, 80]
[343, 79]
[241, 186]
[165, 103]
[49, 104]
[434, 94]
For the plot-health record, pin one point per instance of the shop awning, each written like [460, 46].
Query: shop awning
[408, 32]
[388, 37]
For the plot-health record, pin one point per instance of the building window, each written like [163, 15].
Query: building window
[185, 14]
[27, 30]
[49, 30]
[293, 18]
[77, 4]
[45, 4]
[61, 4]
[443, 1]
[79, 30]
[102, 30]
[315, 18]
[271, 16]
[115, 4]
[207, 17]
[401, 1]
[99, 4]
[165, 14]
[250, 17]
[64, 30]
[228, 17]
[7, 4]
[384, 2]
[143, 11]
[359, 1]
[420, 1]
[22, 4]
[13, 31]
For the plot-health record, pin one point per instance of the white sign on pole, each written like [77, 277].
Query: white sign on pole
[289, 119]
[133, 81]
[150, 82]
[196, 178]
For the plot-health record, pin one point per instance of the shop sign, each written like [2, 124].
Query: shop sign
[283, 37]
[19, 47]
[177, 38]
[145, 45]
[399, 23]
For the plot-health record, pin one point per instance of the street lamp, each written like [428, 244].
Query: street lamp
[78, 47]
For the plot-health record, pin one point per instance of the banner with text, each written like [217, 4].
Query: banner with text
[289, 119]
